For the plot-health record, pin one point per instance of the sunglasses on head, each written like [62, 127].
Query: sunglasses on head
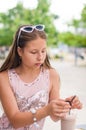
[30, 29]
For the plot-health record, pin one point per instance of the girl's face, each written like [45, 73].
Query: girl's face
[34, 53]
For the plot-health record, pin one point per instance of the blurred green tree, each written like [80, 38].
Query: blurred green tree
[78, 38]
[72, 40]
[19, 15]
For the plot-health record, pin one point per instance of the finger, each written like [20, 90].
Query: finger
[69, 98]
[61, 110]
[76, 101]
[61, 115]
[62, 103]
[77, 104]
[80, 106]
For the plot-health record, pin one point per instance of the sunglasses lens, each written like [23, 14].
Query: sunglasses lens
[31, 28]
[28, 29]
[40, 27]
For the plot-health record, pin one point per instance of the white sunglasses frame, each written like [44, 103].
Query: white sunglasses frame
[33, 27]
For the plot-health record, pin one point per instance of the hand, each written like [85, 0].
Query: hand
[58, 108]
[75, 103]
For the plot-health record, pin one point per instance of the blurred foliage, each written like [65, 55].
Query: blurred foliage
[19, 15]
[78, 37]
[83, 17]
[13, 18]
[72, 39]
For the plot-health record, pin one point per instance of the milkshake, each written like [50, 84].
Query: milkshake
[69, 122]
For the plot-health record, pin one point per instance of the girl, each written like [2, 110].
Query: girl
[29, 86]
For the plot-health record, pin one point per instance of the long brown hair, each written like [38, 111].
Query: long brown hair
[13, 59]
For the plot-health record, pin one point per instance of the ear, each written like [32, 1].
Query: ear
[19, 50]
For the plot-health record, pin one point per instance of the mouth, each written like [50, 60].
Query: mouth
[38, 64]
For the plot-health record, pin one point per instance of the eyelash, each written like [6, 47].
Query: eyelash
[33, 52]
[36, 52]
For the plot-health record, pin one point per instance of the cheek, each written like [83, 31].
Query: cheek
[29, 61]
[27, 58]
[45, 55]
[32, 59]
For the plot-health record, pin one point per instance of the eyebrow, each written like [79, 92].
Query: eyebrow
[37, 49]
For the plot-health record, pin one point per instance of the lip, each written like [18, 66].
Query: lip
[38, 64]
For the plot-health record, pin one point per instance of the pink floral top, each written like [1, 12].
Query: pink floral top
[28, 96]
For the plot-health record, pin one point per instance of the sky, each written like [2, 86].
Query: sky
[66, 9]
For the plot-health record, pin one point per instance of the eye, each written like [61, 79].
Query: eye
[34, 52]
[43, 51]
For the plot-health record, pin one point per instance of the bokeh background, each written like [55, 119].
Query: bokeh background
[65, 25]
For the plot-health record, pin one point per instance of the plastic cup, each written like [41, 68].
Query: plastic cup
[69, 122]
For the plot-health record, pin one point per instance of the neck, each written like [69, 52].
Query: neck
[26, 70]
[27, 74]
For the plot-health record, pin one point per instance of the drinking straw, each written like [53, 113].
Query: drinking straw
[70, 102]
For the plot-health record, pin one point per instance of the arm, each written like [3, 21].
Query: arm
[61, 108]
[18, 119]
[54, 85]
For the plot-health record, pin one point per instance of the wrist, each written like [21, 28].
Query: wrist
[47, 110]
[38, 114]
[34, 111]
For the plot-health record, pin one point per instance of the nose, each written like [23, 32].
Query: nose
[40, 56]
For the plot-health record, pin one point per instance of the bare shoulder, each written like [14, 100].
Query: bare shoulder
[4, 73]
[3, 77]
[54, 78]
[4, 82]
[54, 74]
